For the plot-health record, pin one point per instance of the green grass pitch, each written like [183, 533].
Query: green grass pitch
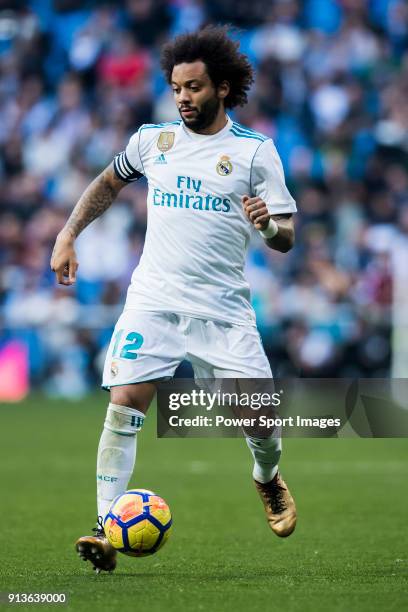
[349, 551]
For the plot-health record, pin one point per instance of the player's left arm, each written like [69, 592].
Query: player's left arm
[270, 206]
[257, 213]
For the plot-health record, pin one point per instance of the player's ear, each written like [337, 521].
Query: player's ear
[223, 89]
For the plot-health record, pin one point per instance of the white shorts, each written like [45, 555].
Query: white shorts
[150, 345]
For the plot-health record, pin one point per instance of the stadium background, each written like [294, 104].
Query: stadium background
[78, 77]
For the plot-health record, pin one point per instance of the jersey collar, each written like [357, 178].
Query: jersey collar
[195, 136]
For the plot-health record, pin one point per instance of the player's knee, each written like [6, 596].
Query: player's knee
[137, 396]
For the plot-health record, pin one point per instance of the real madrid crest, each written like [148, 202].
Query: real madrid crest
[166, 141]
[224, 166]
[114, 368]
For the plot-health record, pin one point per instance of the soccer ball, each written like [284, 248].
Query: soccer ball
[138, 523]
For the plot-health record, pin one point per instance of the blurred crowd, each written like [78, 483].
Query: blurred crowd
[77, 78]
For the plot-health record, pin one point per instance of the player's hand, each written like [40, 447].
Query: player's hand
[63, 260]
[256, 212]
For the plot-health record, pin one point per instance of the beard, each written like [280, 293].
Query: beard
[204, 117]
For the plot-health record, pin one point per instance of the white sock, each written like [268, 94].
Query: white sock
[116, 453]
[266, 453]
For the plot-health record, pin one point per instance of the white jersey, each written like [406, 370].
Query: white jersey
[197, 234]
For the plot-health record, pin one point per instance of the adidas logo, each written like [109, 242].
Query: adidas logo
[160, 159]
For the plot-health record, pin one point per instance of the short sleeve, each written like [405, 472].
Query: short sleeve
[268, 181]
[128, 164]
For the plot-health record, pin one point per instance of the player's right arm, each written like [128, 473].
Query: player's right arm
[97, 198]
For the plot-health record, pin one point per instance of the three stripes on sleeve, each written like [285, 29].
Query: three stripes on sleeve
[124, 169]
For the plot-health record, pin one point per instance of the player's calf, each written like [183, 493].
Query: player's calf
[116, 453]
[115, 463]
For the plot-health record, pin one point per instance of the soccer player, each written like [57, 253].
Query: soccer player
[210, 179]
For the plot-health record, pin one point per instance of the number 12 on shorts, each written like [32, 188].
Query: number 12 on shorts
[133, 342]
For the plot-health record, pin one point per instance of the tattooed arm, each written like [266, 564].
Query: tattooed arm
[94, 201]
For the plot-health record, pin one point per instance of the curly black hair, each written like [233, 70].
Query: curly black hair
[221, 56]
